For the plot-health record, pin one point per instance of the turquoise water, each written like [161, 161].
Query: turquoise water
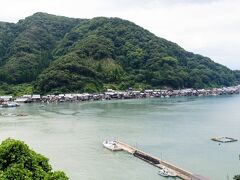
[176, 129]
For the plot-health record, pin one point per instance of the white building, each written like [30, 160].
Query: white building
[6, 98]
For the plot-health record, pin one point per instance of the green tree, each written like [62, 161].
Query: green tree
[18, 162]
[236, 177]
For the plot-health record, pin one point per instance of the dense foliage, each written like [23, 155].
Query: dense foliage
[58, 54]
[29, 51]
[15, 90]
[237, 177]
[237, 73]
[18, 162]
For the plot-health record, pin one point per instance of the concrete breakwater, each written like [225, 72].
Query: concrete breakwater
[159, 163]
[128, 94]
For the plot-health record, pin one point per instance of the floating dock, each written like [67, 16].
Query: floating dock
[224, 139]
[181, 173]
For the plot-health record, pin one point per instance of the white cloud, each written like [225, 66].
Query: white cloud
[208, 27]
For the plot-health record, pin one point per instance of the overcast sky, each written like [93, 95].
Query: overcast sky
[207, 27]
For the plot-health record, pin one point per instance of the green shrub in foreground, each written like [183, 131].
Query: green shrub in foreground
[18, 162]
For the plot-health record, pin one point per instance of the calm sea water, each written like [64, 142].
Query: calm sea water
[176, 129]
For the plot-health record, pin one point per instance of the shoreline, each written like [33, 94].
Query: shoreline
[118, 95]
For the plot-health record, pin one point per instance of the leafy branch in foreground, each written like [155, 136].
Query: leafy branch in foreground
[236, 177]
[18, 162]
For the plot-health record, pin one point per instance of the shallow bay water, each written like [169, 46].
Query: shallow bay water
[177, 130]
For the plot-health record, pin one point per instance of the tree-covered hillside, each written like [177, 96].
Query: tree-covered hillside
[29, 44]
[58, 54]
[8, 32]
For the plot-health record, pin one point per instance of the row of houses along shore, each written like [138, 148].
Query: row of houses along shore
[128, 94]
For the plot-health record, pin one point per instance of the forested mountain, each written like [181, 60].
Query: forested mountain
[29, 45]
[59, 54]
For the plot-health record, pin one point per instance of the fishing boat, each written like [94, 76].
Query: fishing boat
[111, 145]
[166, 173]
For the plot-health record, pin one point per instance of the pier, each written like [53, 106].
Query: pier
[181, 173]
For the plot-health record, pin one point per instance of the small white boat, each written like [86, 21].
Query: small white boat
[10, 104]
[111, 145]
[166, 173]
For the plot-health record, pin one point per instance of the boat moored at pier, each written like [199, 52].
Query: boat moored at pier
[111, 145]
[166, 173]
